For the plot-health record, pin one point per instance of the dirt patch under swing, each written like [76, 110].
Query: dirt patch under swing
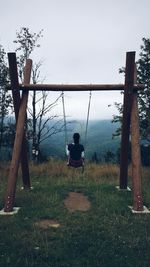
[74, 202]
[77, 202]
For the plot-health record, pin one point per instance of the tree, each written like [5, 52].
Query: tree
[26, 43]
[109, 156]
[39, 118]
[95, 158]
[143, 76]
[5, 97]
[143, 72]
[45, 124]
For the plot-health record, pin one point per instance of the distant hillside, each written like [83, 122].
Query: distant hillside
[99, 139]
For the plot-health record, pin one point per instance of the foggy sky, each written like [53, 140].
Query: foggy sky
[84, 41]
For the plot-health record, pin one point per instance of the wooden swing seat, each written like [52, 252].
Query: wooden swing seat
[75, 163]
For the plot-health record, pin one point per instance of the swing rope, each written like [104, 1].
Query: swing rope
[64, 115]
[87, 120]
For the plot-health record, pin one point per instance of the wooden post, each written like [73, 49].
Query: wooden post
[136, 155]
[16, 100]
[128, 96]
[12, 180]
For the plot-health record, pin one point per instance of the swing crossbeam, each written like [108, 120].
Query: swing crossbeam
[76, 87]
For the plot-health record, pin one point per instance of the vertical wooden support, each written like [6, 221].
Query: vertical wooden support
[136, 155]
[128, 96]
[16, 100]
[12, 180]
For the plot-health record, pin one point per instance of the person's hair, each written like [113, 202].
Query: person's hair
[76, 138]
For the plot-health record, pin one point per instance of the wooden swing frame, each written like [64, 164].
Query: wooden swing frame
[130, 117]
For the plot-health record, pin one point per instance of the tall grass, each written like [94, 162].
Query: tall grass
[106, 235]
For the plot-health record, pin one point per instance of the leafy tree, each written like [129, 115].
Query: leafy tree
[117, 118]
[143, 76]
[143, 71]
[5, 97]
[145, 154]
[109, 156]
[95, 158]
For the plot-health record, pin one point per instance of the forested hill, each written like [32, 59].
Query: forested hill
[99, 139]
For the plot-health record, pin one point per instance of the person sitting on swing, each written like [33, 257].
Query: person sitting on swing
[75, 152]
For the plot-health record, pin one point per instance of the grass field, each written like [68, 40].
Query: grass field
[108, 234]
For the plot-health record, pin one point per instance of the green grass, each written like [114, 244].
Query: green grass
[106, 235]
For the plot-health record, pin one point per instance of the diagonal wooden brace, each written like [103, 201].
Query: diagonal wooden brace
[13, 173]
[16, 101]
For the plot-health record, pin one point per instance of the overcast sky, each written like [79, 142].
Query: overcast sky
[84, 41]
